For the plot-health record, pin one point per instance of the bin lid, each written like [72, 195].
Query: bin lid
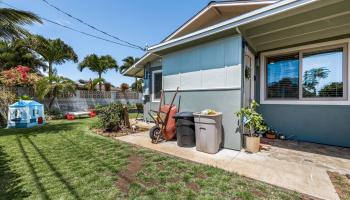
[198, 114]
[182, 115]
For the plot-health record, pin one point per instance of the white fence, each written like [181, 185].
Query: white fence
[83, 99]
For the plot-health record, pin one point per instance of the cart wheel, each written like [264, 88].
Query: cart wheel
[154, 132]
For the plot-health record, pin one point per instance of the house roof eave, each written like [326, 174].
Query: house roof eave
[233, 23]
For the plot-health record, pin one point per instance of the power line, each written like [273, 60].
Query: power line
[88, 34]
[78, 31]
[91, 26]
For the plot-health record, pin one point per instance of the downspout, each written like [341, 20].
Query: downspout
[242, 66]
[242, 82]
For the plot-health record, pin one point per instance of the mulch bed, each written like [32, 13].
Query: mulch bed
[124, 131]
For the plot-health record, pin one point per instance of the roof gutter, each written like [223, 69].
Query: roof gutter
[138, 66]
[252, 16]
[134, 66]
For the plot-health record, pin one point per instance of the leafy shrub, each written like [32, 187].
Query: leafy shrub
[98, 108]
[139, 106]
[53, 114]
[251, 119]
[26, 97]
[19, 76]
[110, 116]
[6, 98]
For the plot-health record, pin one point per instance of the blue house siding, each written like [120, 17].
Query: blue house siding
[324, 124]
[209, 77]
[320, 124]
[212, 55]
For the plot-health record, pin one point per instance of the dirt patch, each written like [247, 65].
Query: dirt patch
[308, 197]
[128, 176]
[193, 186]
[124, 131]
[341, 184]
[201, 176]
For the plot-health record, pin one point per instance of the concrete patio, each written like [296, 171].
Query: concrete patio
[297, 166]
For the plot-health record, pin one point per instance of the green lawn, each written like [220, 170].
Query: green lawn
[63, 160]
[134, 115]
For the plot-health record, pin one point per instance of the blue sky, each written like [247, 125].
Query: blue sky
[139, 21]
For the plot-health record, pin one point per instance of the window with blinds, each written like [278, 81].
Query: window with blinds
[307, 74]
[283, 77]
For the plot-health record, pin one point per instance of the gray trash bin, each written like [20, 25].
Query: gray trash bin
[208, 132]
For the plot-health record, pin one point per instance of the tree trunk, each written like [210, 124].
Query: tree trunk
[51, 102]
[50, 69]
[99, 83]
[136, 86]
[126, 116]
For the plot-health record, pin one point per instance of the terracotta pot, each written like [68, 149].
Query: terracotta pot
[252, 144]
[271, 135]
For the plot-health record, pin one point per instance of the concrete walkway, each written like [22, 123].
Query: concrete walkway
[304, 177]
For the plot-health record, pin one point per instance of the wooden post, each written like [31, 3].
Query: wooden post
[126, 116]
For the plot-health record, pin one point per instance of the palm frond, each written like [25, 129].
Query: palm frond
[11, 22]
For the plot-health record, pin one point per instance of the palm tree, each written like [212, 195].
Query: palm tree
[18, 52]
[91, 84]
[52, 87]
[53, 51]
[137, 86]
[11, 22]
[99, 64]
[127, 63]
[312, 78]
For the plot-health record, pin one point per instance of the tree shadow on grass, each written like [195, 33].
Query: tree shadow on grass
[89, 153]
[32, 171]
[10, 187]
[45, 129]
[58, 175]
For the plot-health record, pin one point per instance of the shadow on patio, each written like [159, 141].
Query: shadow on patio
[326, 150]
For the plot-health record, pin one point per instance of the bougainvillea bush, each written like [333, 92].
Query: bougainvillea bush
[19, 76]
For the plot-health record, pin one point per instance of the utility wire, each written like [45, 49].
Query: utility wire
[91, 26]
[88, 34]
[78, 31]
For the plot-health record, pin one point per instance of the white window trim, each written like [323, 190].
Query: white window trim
[263, 56]
[153, 94]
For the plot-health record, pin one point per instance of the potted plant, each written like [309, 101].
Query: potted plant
[251, 122]
[271, 134]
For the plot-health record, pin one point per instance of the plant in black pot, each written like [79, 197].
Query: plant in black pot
[252, 122]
